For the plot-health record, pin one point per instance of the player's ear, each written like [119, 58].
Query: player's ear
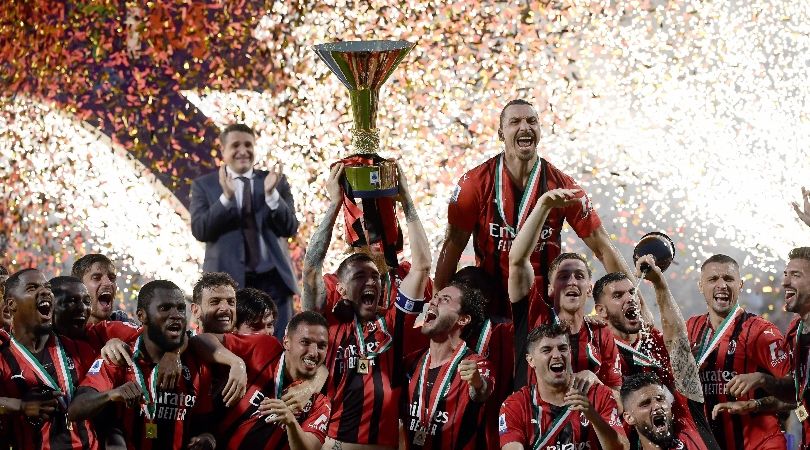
[463, 320]
[500, 135]
[196, 311]
[530, 360]
[600, 310]
[628, 418]
[141, 314]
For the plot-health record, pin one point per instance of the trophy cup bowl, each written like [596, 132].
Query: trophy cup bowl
[657, 244]
[363, 67]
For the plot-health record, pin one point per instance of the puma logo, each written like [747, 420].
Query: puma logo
[19, 376]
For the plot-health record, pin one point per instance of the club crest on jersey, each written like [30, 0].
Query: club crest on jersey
[70, 364]
[584, 420]
[502, 424]
[186, 373]
[732, 347]
[96, 367]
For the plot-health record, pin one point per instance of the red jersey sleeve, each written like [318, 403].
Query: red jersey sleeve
[99, 333]
[539, 310]
[610, 369]
[103, 376]
[605, 405]
[317, 420]
[583, 218]
[465, 205]
[255, 349]
[768, 349]
[332, 296]
[513, 423]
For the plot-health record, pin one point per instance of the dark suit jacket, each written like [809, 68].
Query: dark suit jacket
[220, 228]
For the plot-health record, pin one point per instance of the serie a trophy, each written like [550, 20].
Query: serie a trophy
[363, 67]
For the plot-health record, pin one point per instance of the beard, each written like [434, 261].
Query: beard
[668, 441]
[617, 320]
[156, 335]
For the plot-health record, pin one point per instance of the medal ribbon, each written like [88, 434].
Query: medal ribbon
[528, 194]
[43, 375]
[279, 378]
[446, 375]
[543, 438]
[150, 391]
[361, 342]
[483, 338]
[638, 357]
[706, 350]
[800, 394]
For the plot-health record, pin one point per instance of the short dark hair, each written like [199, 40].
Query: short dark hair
[720, 259]
[14, 280]
[306, 317]
[517, 101]
[473, 303]
[252, 305]
[602, 283]
[234, 127]
[564, 256]
[83, 264]
[59, 285]
[210, 280]
[546, 330]
[634, 382]
[147, 292]
[800, 253]
[343, 268]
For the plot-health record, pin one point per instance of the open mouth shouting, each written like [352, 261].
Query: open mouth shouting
[722, 299]
[174, 330]
[104, 298]
[557, 368]
[431, 314]
[790, 296]
[659, 423]
[526, 140]
[369, 296]
[45, 308]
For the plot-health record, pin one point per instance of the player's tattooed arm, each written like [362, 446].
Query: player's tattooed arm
[676, 339]
[314, 295]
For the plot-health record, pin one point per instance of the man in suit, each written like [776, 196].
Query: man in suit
[242, 237]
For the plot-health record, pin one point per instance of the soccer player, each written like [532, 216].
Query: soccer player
[448, 384]
[40, 369]
[491, 203]
[97, 272]
[592, 348]
[213, 302]
[560, 411]
[731, 346]
[255, 312]
[365, 349]
[661, 421]
[152, 418]
[264, 419]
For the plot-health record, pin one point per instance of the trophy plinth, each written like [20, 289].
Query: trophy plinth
[657, 244]
[363, 67]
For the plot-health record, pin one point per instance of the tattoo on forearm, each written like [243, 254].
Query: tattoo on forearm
[684, 367]
[314, 291]
[410, 210]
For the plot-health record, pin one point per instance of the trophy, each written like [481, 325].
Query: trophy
[657, 244]
[363, 67]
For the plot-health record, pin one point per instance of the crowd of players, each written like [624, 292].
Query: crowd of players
[500, 355]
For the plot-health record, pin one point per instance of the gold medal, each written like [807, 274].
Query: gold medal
[801, 413]
[420, 437]
[363, 366]
[151, 430]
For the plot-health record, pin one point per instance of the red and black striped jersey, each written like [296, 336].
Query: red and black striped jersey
[390, 282]
[686, 430]
[241, 427]
[178, 413]
[474, 207]
[525, 418]
[364, 406]
[647, 354]
[100, 332]
[750, 344]
[593, 347]
[797, 346]
[18, 380]
[496, 343]
[458, 421]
